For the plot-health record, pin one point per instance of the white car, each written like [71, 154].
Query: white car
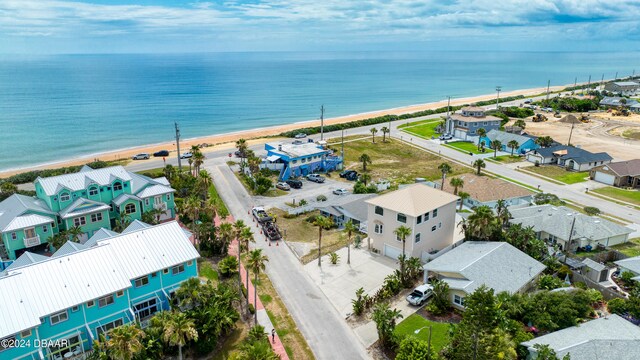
[340, 191]
[186, 155]
[420, 295]
[300, 136]
[143, 156]
[445, 137]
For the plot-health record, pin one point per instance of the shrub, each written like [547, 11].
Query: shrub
[321, 198]
[252, 308]
[591, 210]
[617, 306]
[302, 202]
[627, 277]
[359, 303]
[228, 266]
[412, 348]
[549, 282]
[334, 258]
[564, 271]
[537, 163]
[357, 242]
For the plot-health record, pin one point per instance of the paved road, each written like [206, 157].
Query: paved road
[326, 332]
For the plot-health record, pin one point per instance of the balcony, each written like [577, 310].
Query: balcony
[32, 241]
[160, 206]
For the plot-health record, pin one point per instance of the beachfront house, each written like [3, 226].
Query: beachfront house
[299, 159]
[616, 102]
[623, 87]
[67, 301]
[465, 124]
[525, 143]
[428, 212]
[498, 265]
[88, 200]
[569, 157]
[609, 337]
[559, 225]
[620, 174]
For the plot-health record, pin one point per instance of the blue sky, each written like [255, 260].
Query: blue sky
[114, 26]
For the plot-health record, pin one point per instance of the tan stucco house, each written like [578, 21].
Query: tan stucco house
[428, 212]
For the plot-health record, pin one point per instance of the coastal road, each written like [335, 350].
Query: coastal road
[325, 331]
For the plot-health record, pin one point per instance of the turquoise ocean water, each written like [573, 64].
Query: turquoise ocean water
[56, 107]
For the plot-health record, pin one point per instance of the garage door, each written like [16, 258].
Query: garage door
[392, 252]
[604, 178]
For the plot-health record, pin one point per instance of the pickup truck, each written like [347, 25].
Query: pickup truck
[260, 214]
[420, 295]
[315, 178]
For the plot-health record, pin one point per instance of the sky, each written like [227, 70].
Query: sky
[175, 26]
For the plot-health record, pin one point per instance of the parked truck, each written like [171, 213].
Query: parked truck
[260, 214]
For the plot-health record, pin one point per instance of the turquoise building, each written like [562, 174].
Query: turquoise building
[525, 143]
[89, 199]
[56, 307]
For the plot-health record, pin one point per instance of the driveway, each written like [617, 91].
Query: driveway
[309, 192]
[339, 282]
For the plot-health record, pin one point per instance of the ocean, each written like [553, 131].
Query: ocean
[57, 107]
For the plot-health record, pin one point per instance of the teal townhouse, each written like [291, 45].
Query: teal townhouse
[56, 307]
[89, 199]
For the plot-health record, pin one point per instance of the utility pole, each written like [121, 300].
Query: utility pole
[616, 78]
[548, 84]
[498, 89]
[322, 122]
[573, 223]
[178, 146]
[571, 133]
[447, 125]
[602, 81]
[342, 150]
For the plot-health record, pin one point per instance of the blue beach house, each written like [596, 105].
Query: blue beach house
[302, 159]
[65, 302]
[525, 143]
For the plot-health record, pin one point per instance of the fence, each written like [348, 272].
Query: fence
[301, 209]
[608, 256]
[606, 292]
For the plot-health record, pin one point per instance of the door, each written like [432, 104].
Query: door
[392, 252]
[604, 178]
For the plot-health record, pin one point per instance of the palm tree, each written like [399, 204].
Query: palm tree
[125, 341]
[198, 160]
[8, 188]
[482, 132]
[322, 222]
[502, 212]
[59, 239]
[373, 131]
[179, 331]
[402, 232]
[204, 183]
[479, 164]
[445, 169]
[456, 183]
[350, 229]
[513, 144]
[169, 172]
[152, 217]
[495, 145]
[365, 159]
[544, 141]
[256, 262]
[385, 130]
[225, 234]
[122, 221]
[190, 161]
[74, 233]
[520, 123]
[238, 226]
[463, 196]
[246, 237]
[365, 178]
[481, 223]
[242, 147]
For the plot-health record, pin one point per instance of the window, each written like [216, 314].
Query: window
[58, 317]
[105, 300]
[177, 269]
[106, 327]
[378, 210]
[146, 202]
[112, 208]
[45, 228]
[74, 309]
[439, 225]
[96, 217]
[90, 303]
[435, 213]
[154, 275]
[303, 160]
[419, 219]
[141, 281]
[145, 309]
[117, 186]
[433, 228]
[14, 236]
[79, 221]
[377, 229]
[485, 123]
[190, 262]
[426, 216]
[119, 293]
[25, 334]
[417, 238]
[458, 300]
[168, 197]
[402, 218]
[130, 209]
[165, 271]
[64, 197]
[93, 191]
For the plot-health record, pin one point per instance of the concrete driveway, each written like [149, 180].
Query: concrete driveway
[339, 282]
[309, 192]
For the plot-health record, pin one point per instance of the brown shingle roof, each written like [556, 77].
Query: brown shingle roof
[623, 168]
[414, 199]
[484, 188]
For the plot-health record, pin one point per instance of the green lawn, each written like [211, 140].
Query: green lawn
[206, 270]
[426, 130]
[630, 248]
[559, 173]
[439, 331]
[632, 196]
[213, 194]
[507, 159]
[465, 147]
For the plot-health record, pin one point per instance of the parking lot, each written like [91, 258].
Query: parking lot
[309, 192]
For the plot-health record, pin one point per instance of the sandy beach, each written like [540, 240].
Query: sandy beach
[255, 136]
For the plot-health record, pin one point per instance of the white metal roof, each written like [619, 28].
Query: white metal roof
[16, 205]
[152, 249]
[154, 190]
[297, 150]
[81, 180]
[82, 206]
[124, 197]
[99, 235]
[135, 226]
[69, 248]
[25, 221]
[25, 259]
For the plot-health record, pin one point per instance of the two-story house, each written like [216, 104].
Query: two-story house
[465, 124]
[89, 199]
[429, 213]
[299, 159]
[65, 302]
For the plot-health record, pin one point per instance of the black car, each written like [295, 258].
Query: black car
[352, 176]
[296, 184]
[161, 153]
[240, 154]
[346, 173]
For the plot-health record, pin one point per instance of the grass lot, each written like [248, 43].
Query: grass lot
[300, 230]
[439, 331]
[559, 173]
[220, 205]
[273, 192]
[425, 130]
[292, 339]
[395, 161]
[419, 122]
[506, 159]
[232, 342]
[630, 248]
[206, 270]
[153, 173]
[631, 134]
[632, 196]
[466, 147]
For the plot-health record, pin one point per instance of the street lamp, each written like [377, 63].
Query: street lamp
[498, 89]
[429, 343]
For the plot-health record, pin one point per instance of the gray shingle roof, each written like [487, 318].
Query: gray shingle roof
[497, 265]
[605, 338]
[577, 154]
[632, 264]
[353, 206]
[623, 168]
[505, 137]
[557, 221]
